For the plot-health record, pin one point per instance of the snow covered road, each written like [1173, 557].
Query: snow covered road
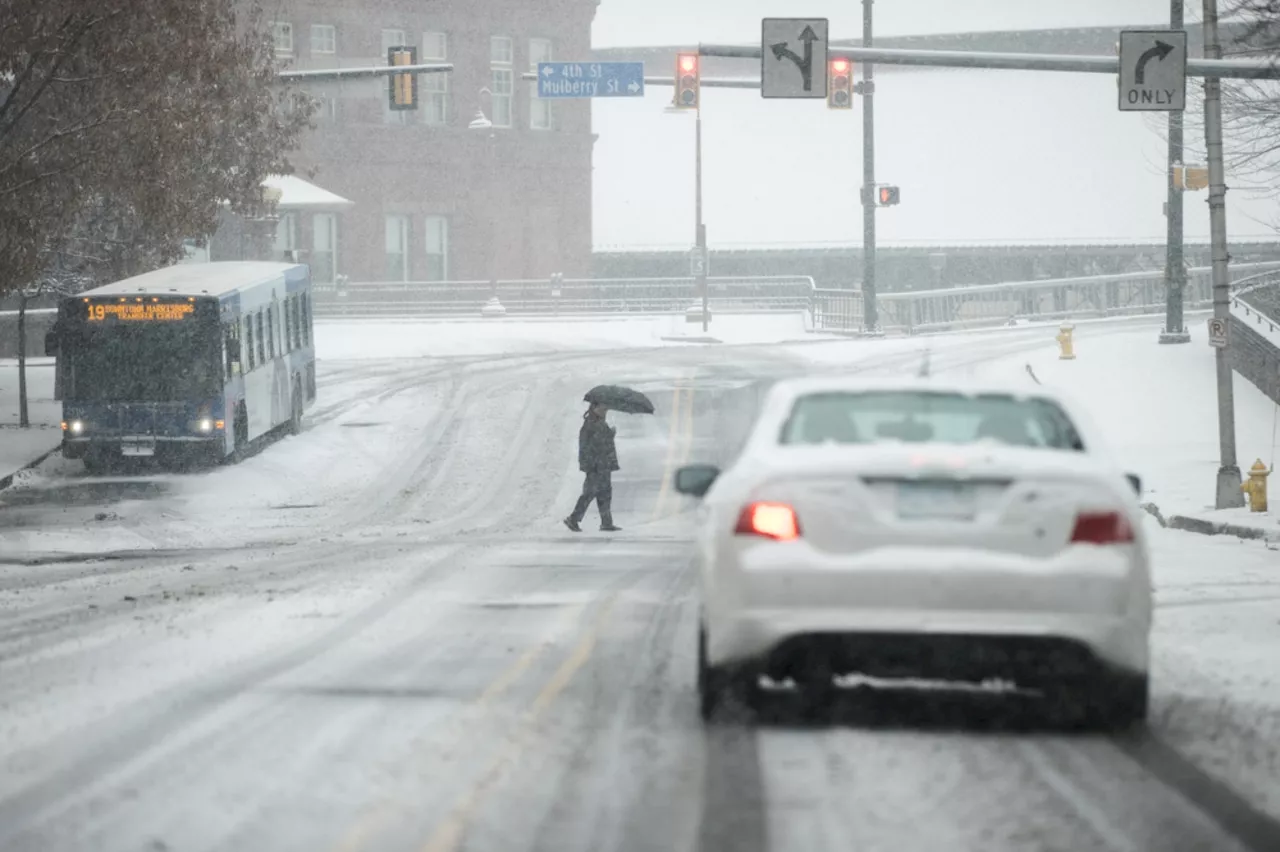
[377, 636]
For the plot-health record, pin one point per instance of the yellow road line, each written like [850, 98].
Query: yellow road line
[668, 469]
[448, 835]
[377, 818]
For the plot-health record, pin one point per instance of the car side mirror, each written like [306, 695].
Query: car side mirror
[1136, 482]
[696, 480]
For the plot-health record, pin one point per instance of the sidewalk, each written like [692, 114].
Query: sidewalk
[20, 448]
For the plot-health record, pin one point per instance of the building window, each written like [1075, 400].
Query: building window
[390, 39]
[434, 88]
[324, 38]
[324, 248]
[437, 247]
[397, 248]
[287, 237]
[502, 83]
[539, 109]
[282, 36]
[326, 109]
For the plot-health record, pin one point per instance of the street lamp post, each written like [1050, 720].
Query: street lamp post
[481, 123]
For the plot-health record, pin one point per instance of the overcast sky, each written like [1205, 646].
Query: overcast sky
[637, 22]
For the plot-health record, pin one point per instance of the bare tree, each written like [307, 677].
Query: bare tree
[125, 124]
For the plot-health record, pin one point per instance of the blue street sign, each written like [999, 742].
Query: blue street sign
[590, 79]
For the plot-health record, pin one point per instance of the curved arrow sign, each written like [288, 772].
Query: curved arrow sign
[1153, 70]
[793, 58]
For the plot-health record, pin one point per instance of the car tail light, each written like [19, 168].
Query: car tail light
[771, 520]
[1102, 528]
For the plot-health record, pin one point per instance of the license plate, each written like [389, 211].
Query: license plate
[953, 501]
[138, 447]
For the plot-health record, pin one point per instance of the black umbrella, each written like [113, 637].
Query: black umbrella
[619, 398]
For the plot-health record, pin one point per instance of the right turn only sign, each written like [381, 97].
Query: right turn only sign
[1153, 70]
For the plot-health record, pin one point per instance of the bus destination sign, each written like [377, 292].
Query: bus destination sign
[140, 311]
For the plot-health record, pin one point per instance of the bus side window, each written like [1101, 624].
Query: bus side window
[262, 342]
[271, 331]
[231, 346]
[297, 322]
[288, 324]
[306, 319]
[248, 341]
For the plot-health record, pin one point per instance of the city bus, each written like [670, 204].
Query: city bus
[191, 362]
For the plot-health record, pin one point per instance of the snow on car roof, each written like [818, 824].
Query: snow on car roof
[793, 388]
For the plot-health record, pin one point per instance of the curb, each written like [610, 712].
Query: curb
[1201, 526]
[6, 481]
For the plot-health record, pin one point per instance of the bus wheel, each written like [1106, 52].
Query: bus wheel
[240, 432]
[295, 416]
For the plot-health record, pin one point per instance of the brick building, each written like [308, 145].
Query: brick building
[432, 199]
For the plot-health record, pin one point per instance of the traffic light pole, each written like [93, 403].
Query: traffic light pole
[1175, 274]
[871, 317]
[1229, 495]
[701, 236]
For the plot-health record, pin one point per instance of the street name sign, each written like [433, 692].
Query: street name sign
[793, 58]
[1153, 70]
[590, 80]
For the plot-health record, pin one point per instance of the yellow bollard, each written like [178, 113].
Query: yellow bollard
[1065, 341]
[1256, 487]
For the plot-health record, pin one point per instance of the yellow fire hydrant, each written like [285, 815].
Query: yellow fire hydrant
[1256, 487]
[1064, 339]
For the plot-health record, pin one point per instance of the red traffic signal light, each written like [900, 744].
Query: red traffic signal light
[688, 79]
[840, 84]
[889, 196]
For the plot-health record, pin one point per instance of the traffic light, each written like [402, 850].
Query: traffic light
[888, 196]
[840, 90]
[404, 87]
[688, 81]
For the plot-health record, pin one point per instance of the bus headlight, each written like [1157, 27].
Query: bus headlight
[205, 425]
[77, 427]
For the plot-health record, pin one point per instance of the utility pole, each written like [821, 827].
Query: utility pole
[700, 237]
[871, 314]
[1175, 272]
[1229, 494]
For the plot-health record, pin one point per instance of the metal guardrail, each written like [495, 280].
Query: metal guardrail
[564, 297]
[1126, 294]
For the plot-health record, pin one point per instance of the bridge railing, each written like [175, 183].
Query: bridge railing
[988, 305]
[564, 297]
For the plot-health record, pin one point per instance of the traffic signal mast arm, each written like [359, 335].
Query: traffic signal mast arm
[1240, 69]
[323, 74]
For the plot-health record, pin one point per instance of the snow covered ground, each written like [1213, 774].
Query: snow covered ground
[18, 446]
[448, 444]
[357, 339]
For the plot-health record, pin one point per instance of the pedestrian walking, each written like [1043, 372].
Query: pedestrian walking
[597, 459]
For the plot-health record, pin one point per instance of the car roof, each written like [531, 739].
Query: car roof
[196, 279]
[798, 387]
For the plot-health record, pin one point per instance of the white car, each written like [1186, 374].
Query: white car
[928, 528]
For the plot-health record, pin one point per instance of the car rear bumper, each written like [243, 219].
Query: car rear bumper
[1094, 599]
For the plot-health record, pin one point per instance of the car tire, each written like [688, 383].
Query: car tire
[1120, 701]
[1111, 702]
[718, 686]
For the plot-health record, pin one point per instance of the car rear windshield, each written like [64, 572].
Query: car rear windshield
[919, 417]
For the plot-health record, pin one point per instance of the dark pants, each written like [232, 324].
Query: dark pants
[597, 486]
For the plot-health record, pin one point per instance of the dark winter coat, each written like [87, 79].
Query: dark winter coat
[596, 450]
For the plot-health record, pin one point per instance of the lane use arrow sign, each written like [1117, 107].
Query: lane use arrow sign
[1160, 51]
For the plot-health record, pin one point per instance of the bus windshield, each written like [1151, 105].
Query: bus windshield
[160, 362]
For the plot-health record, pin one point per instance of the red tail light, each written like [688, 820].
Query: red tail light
[1102, 528]
[771, 520]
